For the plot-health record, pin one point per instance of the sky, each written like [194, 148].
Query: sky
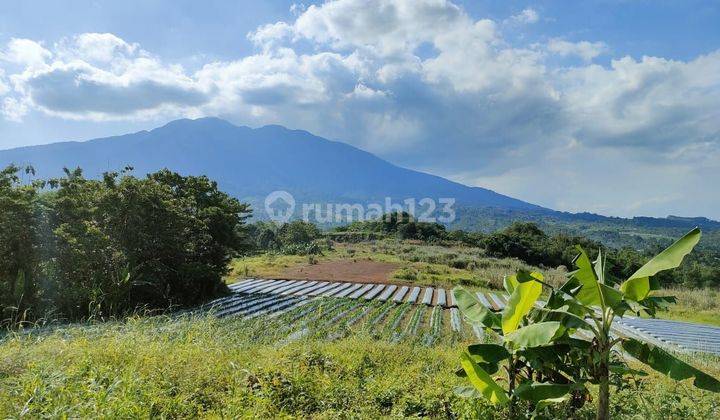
[607, 106]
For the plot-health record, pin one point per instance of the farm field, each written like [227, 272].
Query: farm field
[204, 366]
[381, 344]
[352, 301]
[428, 265]
[403, 262]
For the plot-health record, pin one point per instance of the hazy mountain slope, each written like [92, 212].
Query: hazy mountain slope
[250, 163]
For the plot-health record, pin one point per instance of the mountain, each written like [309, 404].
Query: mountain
[250, 163]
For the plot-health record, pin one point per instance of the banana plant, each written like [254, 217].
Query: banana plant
[591, 293]
[536, 356]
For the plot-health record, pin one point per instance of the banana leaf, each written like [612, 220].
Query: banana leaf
[666, 363]
[638, 286]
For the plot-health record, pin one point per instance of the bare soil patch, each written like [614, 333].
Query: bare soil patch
[359, 271]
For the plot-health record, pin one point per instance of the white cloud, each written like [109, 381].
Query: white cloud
[13, 109]
[528, 15]
[652, 103]
[98, 77]
[426, 85]
[97, 47]
[4, 88]
[583, 49]
[25, 52]
[380, 26]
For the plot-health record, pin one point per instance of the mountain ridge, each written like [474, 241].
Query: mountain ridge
[249, 163]
[340, 170]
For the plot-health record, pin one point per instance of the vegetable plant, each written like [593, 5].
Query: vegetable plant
[536, 356]
[602, 298]
[545, 360]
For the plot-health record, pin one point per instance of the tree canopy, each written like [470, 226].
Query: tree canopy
[78, 247]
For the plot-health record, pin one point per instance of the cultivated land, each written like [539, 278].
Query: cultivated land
[203, 366]
[404, 262]
[426, 265]
[212, 368]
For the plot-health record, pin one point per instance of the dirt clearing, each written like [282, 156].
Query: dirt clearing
[360, 271]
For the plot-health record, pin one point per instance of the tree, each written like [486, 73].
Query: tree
[107, 247]
[19, 224]
[520, 240]
[542, 361]
[596, 294]
[297, 232]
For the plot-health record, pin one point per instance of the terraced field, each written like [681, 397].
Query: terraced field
[409, 312]
[313, 307]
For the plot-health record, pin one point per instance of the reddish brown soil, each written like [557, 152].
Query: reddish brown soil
[360, 271]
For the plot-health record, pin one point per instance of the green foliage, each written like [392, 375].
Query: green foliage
[527, 242]
[540, 365]
[522, 299]
[399, 224]
[293, 238]
[590, 292]
[297, 232]
[665, 363]
[21, 228]
[107, 247]
[638, 286]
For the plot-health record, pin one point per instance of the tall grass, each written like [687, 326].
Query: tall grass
[695, 305]
[419, 264]
[204, 367]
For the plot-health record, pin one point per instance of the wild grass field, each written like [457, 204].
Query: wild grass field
[201, 366]
[205, 367]
[418, 264]
[430, 265]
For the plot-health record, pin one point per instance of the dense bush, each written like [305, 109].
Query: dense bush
[294, 238]
[399, 224]
[82, 247]
[527, 242]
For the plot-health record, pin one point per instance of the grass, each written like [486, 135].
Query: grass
[210, 368]
[693, 305]
[264, 265]
[438, 266]
[418, 264]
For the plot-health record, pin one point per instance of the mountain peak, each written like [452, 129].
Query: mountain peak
[251, 163]
[197, 122]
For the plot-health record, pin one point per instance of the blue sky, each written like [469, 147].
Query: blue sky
[605, 106]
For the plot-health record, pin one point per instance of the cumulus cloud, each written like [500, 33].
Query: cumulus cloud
[528, 15]
[583, 49]
[25, 52]
[98, 48]
[96, 76]
[4, 88]
[652, 103]
[422, 83]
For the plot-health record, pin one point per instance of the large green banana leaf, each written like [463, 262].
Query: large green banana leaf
[474, 311]
[487, 356]
[535, 391]
[482, 381]
[666, 363]
[568, 320]
[535, 335]
[638, 286]
[593, 292]
[521, 301]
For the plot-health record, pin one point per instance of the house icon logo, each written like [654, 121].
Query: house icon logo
[279, 206]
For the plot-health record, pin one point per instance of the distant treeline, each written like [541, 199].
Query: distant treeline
[522, 240]
[75, 248]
